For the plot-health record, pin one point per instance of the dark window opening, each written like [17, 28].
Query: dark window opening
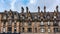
[22, 29]
[55, 29]
[9, 29]
[29, 29]
[35, 29]
[55, 23]
[14, 30]
[29, 23]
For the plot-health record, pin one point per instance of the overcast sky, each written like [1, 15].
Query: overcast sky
[16, 5]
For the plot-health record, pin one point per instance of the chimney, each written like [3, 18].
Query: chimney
[38, 9]
[44, 8]
[22, 9]
[57, 8]
[27, 9]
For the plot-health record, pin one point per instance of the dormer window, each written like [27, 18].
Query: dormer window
[41, 23]
[48, 17]
[10, 22]
[22, 17]
[42, 30]
[54, 16]
[10, 17]
[38, 16]
[15, 16]
[29, 17]
[4, 17]
[41, 17]
[35, 17]
[29, 23]
[48, 23]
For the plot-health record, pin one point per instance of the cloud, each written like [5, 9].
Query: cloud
[32, 1]
[12, 4]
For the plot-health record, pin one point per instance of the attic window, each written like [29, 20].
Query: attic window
[23, 17]
[4, 17]
[15, 16]
[35, 17]
[54, 16]
[41, 23]
[28, 17]
[48, 17]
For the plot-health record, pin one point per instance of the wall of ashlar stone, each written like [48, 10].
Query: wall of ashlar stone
[37, 25]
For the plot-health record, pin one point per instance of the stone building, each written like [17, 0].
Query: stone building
[41, 22]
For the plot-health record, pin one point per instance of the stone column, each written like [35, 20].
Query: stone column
[21, 27]
[52, 29]
[25, 26]
[6, 26]
[13, 27]
[17, 27]
[38, 25]
[1, 27]
[32, 26]
[26, 29]
[46, 29]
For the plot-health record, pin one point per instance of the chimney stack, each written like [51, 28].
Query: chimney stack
[44, 8]
[22, 9]
[27, 9]
[57, 8]
[38, 9]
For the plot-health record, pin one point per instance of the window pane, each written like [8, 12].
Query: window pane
[41, 23]
[29, 29]
[55, 29]
[48, 30]
[42, 30]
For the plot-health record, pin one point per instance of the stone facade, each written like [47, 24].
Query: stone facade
[30, 23]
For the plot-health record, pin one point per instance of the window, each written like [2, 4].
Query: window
[29, 29]
[23, 17]
[29, 17]
[10, 22]
[55, 29]
[14, 29]
[48, 23]
[41, 17]
[55, 23]
[29, 23]
[42, 30]
[22, 29]
[15, 16]
[54, 16]
[9, 29]
[38, 17]
[4, 17]
[48, 30]
[41, 23]
[48, 17]
[4, 30]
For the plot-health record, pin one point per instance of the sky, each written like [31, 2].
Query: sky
[15, 5]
